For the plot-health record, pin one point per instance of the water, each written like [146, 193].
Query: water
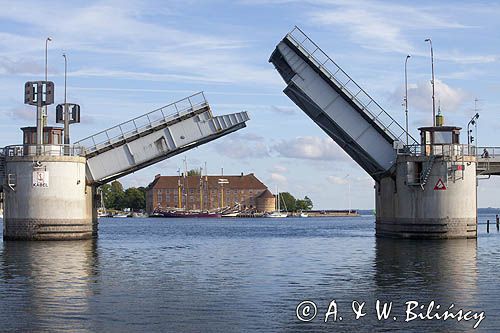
[243, 275]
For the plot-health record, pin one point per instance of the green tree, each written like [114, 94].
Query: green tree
[304, 204]
[287, 201]
[194, 172]
[118, 195]
[114, 196]
[135, 198]
[106, 195]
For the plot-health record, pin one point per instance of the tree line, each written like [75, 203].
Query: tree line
[115, 197]
[290, 204]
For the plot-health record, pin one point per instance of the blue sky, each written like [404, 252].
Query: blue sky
[126, 58]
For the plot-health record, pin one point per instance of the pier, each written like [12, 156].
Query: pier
[49, 188]
[425, 188]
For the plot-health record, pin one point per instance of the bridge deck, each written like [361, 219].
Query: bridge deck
[490, 165]
[155, 136]
[337, 104]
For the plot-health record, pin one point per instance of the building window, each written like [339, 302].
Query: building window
[191, 198]
[167, 198]
[56, 138]
[159, 196]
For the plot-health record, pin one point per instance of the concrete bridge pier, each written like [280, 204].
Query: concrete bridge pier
[432, 194]
[46, 197]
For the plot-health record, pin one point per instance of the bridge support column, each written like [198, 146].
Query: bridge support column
[47, 199]
[439, 205]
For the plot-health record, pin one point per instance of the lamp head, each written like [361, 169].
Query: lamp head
[49, 39]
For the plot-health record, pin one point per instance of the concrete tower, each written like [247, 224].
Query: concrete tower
[433, 191]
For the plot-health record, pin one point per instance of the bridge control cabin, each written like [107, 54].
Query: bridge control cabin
[439, 140]
[51, 135]
[52, 140]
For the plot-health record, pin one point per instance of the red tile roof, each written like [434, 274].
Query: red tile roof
[235, 182]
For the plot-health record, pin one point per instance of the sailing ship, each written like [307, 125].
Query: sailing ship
[184, 214]
[277, 212]
[101, 211]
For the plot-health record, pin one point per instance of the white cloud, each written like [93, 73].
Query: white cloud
[386, 26]
[279, 169]
[23, 112]
[111, 35]
[420, 96]
[337, 180]
[310, 147]
[379, 25]
[242, 146]
[19, 66]
[278, 179]
[284, 110]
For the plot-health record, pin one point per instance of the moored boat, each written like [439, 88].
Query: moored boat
[182, 214]
[276, 214]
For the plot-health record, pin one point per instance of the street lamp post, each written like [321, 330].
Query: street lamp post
[473, 121]
[66, 111]
[433, 95]
[44, 114]
[348, 193]
[406, 97]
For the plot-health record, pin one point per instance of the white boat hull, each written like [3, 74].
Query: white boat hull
[276, 214]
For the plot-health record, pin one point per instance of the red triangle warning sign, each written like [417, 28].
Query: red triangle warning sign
[440, 185]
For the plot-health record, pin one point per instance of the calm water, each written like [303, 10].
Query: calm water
[176, 275]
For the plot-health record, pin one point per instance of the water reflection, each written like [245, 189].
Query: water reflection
[234, 275]
[47, 284]
[422, 271]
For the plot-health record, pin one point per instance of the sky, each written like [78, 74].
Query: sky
[126, 58]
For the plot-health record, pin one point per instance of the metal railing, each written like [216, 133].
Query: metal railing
[357, 94]
[42, 150]
[438, 150]
[142, 123]
[488, 152]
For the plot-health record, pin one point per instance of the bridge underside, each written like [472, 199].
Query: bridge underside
[154, 137]
[331, 128]
[488, 166]
[338, 105]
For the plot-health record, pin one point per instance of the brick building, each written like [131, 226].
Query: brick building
[207, 193]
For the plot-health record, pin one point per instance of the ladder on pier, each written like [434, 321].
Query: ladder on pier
[338, 105]
[155, 136]
[2, 168]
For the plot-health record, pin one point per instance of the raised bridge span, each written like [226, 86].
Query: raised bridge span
[345, 111]
[337, 104]
[50, 190]
[154, 136]
[425, 188]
